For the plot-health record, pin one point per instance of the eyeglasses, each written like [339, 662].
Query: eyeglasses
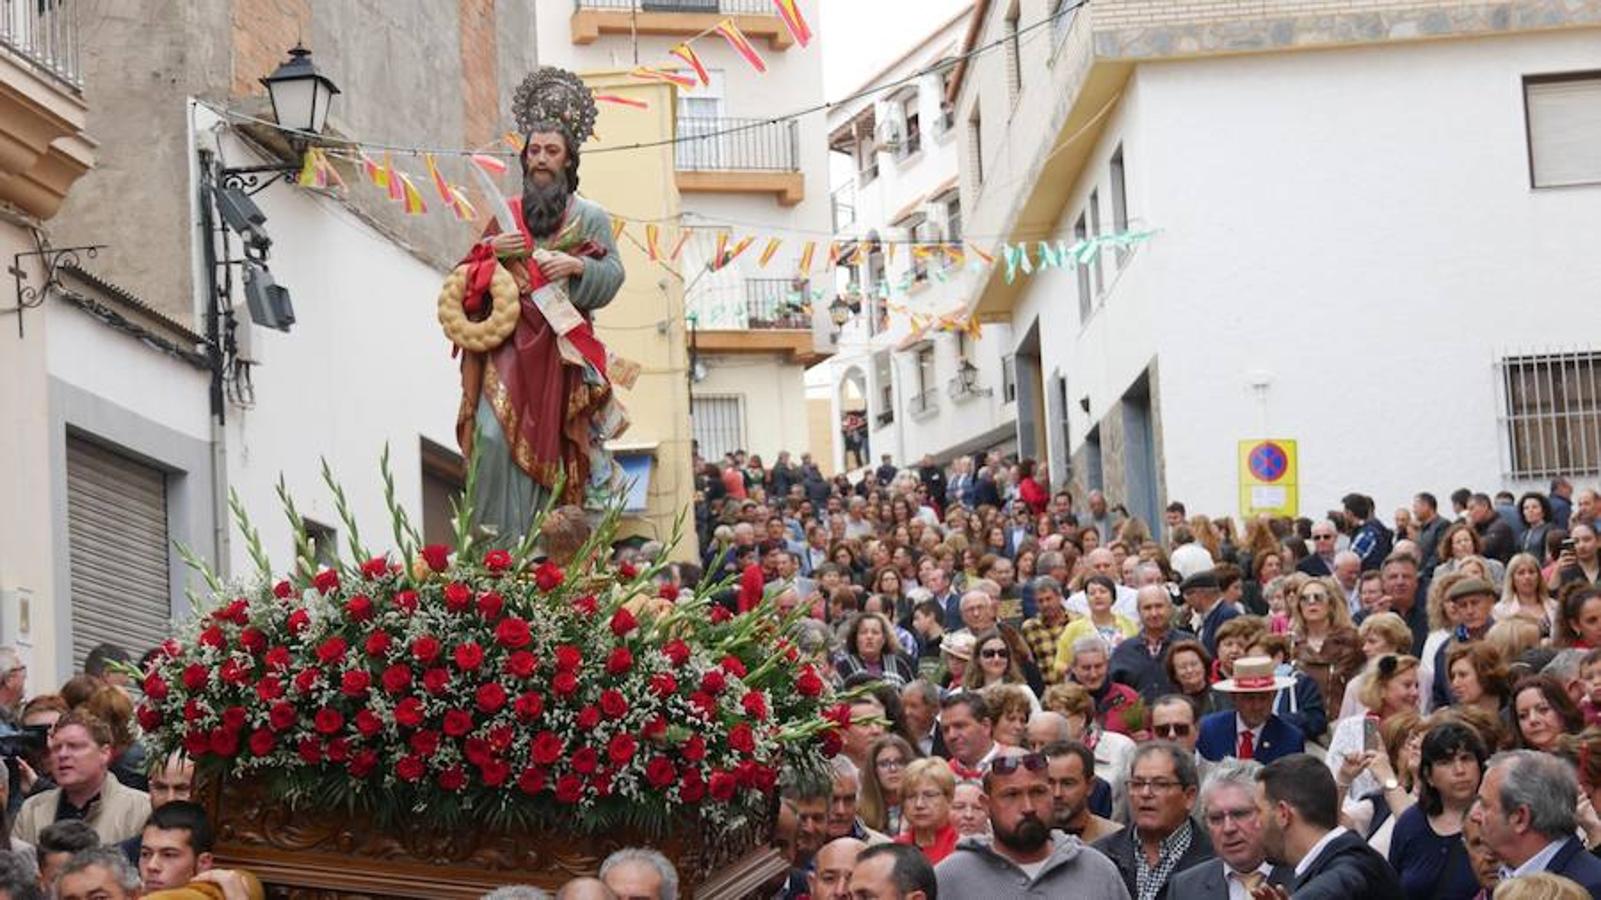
[1318, 597]
[1151, 785]
[1172, 729]
[929, 796]
[994, 653]
[1322, 537]
[891, 763]
[1238, 816]
[1006, 765]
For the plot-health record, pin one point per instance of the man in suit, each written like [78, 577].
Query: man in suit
[1320, 562]
[1204, 595]
[1300, 810]
[1161, 791]
[1526, 811]
[1228, 806]
[1251, 730]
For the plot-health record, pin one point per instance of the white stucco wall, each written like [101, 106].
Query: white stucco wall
[774, 395]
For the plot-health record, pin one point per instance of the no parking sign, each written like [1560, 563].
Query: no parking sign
[1267, 477]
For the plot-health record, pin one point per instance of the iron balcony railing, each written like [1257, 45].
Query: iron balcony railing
[717, 143]
[45, 34]
[776, 303]
[739, 7]
[923, 402]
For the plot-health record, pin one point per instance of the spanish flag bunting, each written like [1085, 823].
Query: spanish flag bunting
[373, 171]
[652, 235]
[308, 170]
[621, 101]
[617, 225]
[768, 251]
[678, 245]
[987, 258]
[329, 173]
[439, 180]
[690, 58]
[650, 73]
[513, 140]
[739, 248]
[806, 257]
[722, 247]
[494, 165]
[392, 180]
[413, 197]
[462, 206]
[741, 45]
[833, 254]
[789, 11]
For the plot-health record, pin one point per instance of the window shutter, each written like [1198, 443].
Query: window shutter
[1564, 131]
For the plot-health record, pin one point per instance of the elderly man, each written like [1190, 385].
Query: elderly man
[894, 872]
[1161, 838]
[100, 873]
[1348, 574]
[842, 818]
[1251, 730]
[1098, 517]
[830, 878]
[1403, 588]
[1116, 705]
[1471, 600]
[1173, 719]
[1021, 857]
[920, 711]
[1204, 595]
[1071, 773]
[1228, 808]
[1102, 561]
[13, 688]
[1300, 808]
[1525, 811]
[80, 745]
[1044, 629]
[1138, 661]
[640, 873]
[978, 612]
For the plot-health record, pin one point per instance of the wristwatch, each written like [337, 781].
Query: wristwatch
[1391, 784]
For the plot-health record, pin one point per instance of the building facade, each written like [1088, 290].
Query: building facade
[1372, 236]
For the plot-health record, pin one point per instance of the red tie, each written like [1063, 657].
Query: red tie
[1247, 745]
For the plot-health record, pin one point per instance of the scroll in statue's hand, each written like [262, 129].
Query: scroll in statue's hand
[556, 265]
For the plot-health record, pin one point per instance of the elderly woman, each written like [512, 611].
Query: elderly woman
[1382, 635]
[1112, 750]
[1187, 664]
[969, 812]
[996, 663]
[883, 777]
[1327, 647]
[1392, 689]
[1426, 846]
[1010, 705]
[871, 647]
[927, 789]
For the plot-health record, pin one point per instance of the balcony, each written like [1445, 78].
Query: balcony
[757, 316]
[677, 18]
[43, 148]
[776, 303]
[923, 403]
[718, 155]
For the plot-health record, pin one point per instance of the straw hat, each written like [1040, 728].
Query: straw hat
[958, 644]
[1254, 674]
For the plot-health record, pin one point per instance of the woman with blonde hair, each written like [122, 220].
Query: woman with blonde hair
[881, 782]
[1205, 534]
[1512, 636]
[927, 789]
[1526, 595]
[1327, 647]
[1540, 886]
[1112, 750]
[1392, 689]
[1384, 634]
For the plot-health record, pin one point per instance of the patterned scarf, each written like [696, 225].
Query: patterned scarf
[1148, 879]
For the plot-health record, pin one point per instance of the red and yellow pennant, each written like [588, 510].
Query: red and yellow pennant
[651, 73]
[461, 206]
[692, 59]
[789, 11]
[618, 223]
[722, 247]
[833, 254]
[397, 191]
[740, 43]
[807, 250]
[768, 251]
[494, 165]
[987, 258]
[414, 205]
[678, 245]
[652, 235]
[374, 172]
[739, 248]
[621, 101]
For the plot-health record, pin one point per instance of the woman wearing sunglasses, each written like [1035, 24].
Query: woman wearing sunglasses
[994, 663]
[1327, 646]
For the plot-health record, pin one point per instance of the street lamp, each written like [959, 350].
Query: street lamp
[839, 312]
[300, 94]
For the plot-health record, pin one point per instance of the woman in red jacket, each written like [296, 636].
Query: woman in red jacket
[1029, 490]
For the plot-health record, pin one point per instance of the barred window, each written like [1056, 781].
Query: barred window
[1552, 414]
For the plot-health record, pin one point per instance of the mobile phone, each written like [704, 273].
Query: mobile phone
[1566, 546]
[1370, 734]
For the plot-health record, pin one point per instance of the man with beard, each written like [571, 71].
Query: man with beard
[541, 402]
[1228, 803]
[1300, 810]
[1071, 773]
[1022, 857]
[1161, 838]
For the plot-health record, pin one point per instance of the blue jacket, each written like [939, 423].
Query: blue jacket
[1220, 738]
[1574, 862]
[1220, 613]
[1372, 542]
[1302, 707]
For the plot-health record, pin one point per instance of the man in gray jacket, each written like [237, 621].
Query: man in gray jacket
[1023, 857]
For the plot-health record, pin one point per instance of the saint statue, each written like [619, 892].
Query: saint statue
[541, 402]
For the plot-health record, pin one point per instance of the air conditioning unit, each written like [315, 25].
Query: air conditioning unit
[890, 135]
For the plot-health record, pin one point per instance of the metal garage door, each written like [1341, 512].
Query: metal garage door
[118, 549]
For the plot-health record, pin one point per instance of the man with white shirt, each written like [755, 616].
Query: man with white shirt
[1526, 811]
[1347, 572]
[1101, 561]
[856, 524]
[1300, 810]
[1228, 809]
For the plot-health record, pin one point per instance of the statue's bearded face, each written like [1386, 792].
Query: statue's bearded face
[544, 157]
[548, 181]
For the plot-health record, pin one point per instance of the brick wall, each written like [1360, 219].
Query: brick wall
[263, 32]
[480, 89]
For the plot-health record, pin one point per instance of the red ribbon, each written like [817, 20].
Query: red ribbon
[481, 270]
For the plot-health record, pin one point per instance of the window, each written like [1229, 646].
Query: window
[1014, 53]
[911, 133]
[927, 396]
[1009, 379]
[700, 122]
[925, 240]
[975, 145]
[1553, 414]
[953, 216]
[1081, 233]
[719, 425]
[1095, 231]
[885, 381]
[1563, 115]
[1119, 203]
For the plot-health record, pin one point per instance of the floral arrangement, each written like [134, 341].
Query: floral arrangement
[472, 683]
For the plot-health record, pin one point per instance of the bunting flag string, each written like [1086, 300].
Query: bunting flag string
[768, 251]
[621, 101]
[806, 257]
[789, 11]
[687, 53]
[741, 44]
[651, 73]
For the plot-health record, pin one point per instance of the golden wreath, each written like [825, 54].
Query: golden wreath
[490, 332]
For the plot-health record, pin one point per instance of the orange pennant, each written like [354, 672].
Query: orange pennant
[397, 191]
[652, 234]
[618, 223]
[739, 248]
[678, 245]
[722, 247]
[621, 101]
[789, 11]
[690, 58]
[740, 43]
[648, 73]
[806, 257]
[768, 251]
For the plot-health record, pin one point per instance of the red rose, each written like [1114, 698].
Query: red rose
[306, 679]
[155, 688]
[841, 715]
[278, 658]
[719, 614]
[529, 706]
[693, 749]
[406, 601]
[691, 788]
[585, 761]
[568, 658]
[359, 608]
[623, 621]
[620, 661]
[766, 778]
[195, 676]
[620, 749]
[600, 782]
[262, 742]
[331, 650]
[362, 764]
[410, 768]
[437, 556]
[628, 571]
[587, 605]
[706, 703]
[328, 721]
[299, 621]
[521, 664]
[197, 743]
[149, 717]
[494, 773]
[676, 651]
[531, 781]
[233, 718]
[745, 773]
[655, 729]
[453, 778]
[500, 737]
[213, 637]
[741, 738]
[254, 640]
[281, 716]
[224, 742]
[377, 643]
[469, 656]
[832, 743]
[613, 704]
[396, 678]
[808, 684]
[733, 666]
[232, 672]
[269, 688]
[375, 568]
[192, 710]
[458, 722]
[546, 748]
[713, 682]
[458, 597]
[588, 718]
[491, 697]
[310, 750]
[569, 788]
[368, 723]
[722, 786]
[409, 712]
[476, 750]
[497, 561]
[434, 681]
[667, 592]
[565, 684]
[663, 684]
[490, 605]
[548, 576]
[513, 633]
[338, 750]
[424, 649]
[425, 743]
[754, 705]
[283, 590]
[660, 773]
[325, 581]
[354, 683]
